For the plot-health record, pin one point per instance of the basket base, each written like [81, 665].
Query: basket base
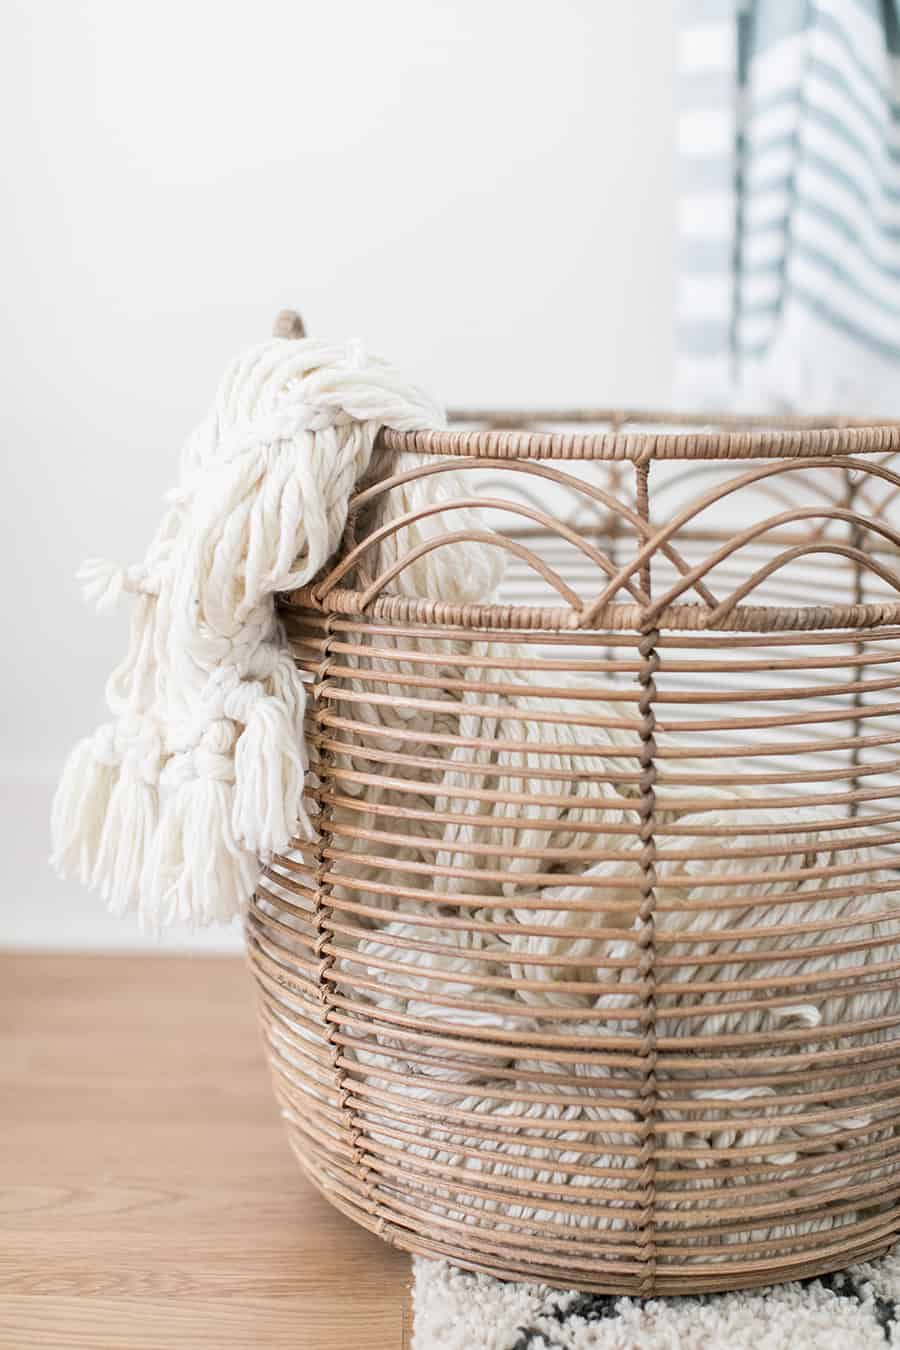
[366, 1213]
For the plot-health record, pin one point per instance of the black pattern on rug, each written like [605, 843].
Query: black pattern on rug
[589, 1307]
[885, 1310]
[601, 1307]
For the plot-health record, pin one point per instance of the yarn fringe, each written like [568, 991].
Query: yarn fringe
[208, 704]
[269, 768]
[130, 824]
[195, 867]
[80, 807]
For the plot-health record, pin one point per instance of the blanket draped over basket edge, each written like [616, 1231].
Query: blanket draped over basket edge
[788, 251]
[168, 807]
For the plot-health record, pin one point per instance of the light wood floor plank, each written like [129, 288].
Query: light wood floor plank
[148, 1198]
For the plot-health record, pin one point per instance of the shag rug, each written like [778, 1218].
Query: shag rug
[857, 1309]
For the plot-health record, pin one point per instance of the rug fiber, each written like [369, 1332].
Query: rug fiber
[858, 1309]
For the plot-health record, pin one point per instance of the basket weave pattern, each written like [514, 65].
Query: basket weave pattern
[473, 1066]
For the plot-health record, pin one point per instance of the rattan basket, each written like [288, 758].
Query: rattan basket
[732, 591]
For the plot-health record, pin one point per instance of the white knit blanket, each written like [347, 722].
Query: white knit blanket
[169, 807]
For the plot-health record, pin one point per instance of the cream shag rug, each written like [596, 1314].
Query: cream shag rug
[858, 1309]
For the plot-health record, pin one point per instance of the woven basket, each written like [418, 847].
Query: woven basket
[644, 1114]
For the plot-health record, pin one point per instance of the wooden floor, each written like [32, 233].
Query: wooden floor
[147, 1196]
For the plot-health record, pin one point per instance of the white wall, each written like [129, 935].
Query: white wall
[482, 188]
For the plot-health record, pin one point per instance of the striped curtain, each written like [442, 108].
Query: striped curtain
[789, 205]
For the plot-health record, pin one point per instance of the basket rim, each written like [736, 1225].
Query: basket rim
[506, 436]
[480, 438]
[494, 619]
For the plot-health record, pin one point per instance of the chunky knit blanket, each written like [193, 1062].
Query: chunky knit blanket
[169, 807]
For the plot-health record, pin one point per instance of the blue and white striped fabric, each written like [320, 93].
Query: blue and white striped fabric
[789, 205]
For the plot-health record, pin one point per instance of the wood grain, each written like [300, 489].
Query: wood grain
[148, 1197]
